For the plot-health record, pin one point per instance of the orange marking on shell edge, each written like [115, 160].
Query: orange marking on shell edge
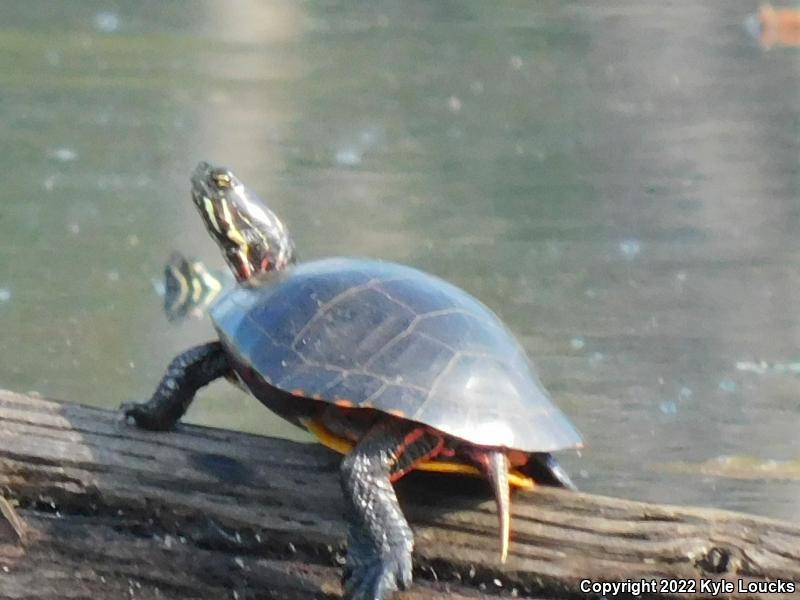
[316, 397]
[397, 413]
[517, 458]
[344, 403]
[297, 392]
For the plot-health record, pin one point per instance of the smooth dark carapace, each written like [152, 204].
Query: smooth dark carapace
[396, 369]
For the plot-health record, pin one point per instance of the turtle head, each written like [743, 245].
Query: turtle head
[252, 238]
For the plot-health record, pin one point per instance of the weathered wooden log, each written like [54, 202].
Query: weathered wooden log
[107, 511]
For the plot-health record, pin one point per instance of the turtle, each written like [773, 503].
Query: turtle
[394, 368]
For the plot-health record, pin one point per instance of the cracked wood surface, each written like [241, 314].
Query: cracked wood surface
[106, 511]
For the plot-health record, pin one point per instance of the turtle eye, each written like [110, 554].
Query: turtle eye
[223, 180]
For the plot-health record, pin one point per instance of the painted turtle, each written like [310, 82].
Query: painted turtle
[392, 367]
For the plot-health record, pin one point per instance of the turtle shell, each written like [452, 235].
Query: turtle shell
[373, 334]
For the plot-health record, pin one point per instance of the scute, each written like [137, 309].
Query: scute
[389, 337]
[418, 357]
[345, 333]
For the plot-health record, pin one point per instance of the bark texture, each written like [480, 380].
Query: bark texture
[98, 509]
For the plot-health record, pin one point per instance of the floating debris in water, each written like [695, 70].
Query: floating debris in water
[516, 62]
[64, 154]
[454, 104]
[106, 22]
[117, 181]
[5, 294]
[740, 467]
[630, 248]
[577, 343]
[685, 393]
[759, 368]
[352, 150]
[775, 26]
[728, 385]
[348, 157]
[668, 408]
[764, 368]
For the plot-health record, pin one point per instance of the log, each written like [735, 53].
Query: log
[98, 509]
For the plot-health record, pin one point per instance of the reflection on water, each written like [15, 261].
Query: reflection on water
[741, 467]
[620, 183]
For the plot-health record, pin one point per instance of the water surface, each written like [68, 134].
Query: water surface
[619, 182]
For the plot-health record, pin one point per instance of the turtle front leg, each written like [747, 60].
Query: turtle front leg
[186, 374]
[379, 540]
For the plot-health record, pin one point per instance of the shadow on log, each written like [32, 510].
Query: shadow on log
[106, 511]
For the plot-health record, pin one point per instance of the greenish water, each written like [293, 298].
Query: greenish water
[618, 181]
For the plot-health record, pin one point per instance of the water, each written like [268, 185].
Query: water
[620, 183]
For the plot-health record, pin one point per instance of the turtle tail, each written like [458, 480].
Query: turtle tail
[495, 466]
[497, 471]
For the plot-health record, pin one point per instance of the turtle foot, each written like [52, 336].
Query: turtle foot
[145, 417]
[186, 374]
[377, 579]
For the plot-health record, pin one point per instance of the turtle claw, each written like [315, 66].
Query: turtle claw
[378, 579]
[144, 416]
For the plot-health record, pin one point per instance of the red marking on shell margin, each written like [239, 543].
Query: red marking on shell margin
[344, 403]
[409, 439]
[298, 392]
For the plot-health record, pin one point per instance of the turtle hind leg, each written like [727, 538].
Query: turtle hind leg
[379, 540]
[186, 374]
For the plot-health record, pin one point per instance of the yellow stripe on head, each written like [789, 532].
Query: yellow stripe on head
[208, 205]
[232, 232]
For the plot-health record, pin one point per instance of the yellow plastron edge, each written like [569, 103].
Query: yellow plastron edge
[344, 446]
